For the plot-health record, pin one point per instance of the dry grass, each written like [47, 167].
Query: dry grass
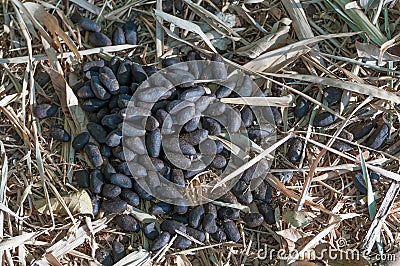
[317, 48]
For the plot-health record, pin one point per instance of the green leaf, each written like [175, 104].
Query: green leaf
[370, 194]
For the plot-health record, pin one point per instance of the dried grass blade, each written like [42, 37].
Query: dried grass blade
[267, 60]
[283, 101]
[187, 25]
[346, 85]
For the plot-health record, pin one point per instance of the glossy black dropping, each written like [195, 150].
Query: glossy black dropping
[253, 219]
[219, 162]
[295, 150]
[302, 106]
[150, 231]
[177, 177]
[231, 231]
[96, 181]
[88, 24]
[226, 213]
[93, 105]
[99, 39]
[138, 73]
[379, 137]
[209, 223]
[153, 143]
[182, 242]
[44, 110]
[94, 155]
[241, 191]
[141, 192]
[324, 119]
[196, 234]
[97, 132]
[223, 92]
[267, 212]
[114, 138]
[103, 256]
[213, 126]
[123, 74]
[118, 251]
[81, 177]
[362, 128]
[171, 225]
[192, 124]
[111, 191]
[113, 206]
[160, 208]
[196, 216]
[94, 65]
[118, 36]
[80, 140]
[109, 80]
[130, 197]
[161, 241]
[85, 92]
[111, 121]
[105, 151]
[195, 137]
[59, 134]
[121, 180]
[332, 95]
[98, 90]
[127, 223]
[247, 116]
[181, 209]
[219, 236]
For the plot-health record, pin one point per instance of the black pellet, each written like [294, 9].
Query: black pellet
[42, 78]
[118, 251]
[231, 231]
[218, 162]
[195, 137]
[109, 80]
[150, 231]
[111, 121]
[209, 223]
[130, 197]
[127, 223]
[97, 132]
[182, 242]
[253, 219]
[103, 256]
[94, 155]
[195, 216]
[80, 140]
[219, 236]
[213, 126]
[93, 105]
[302, 105]
[121, 180]
[379, 137]
[88, 24]
[118, 36]
[267, 212]
[332, 95]
[99, 91]
[111, 191]
[93, 65]
[152, 123]
[85, 92]
[96, 181]
[59, 134]
[138, 73]
[153, 143]
[295, 150]
[160, 208]
[114, 138]
[113, 206]
[44, 110]
[226, 213]
[161, 241]
[362, 128]
[141, 192]
[171, 225]
[82, 178]
[99, 39]
[324, 119]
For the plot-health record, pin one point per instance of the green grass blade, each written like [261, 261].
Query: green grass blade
[370, 194]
